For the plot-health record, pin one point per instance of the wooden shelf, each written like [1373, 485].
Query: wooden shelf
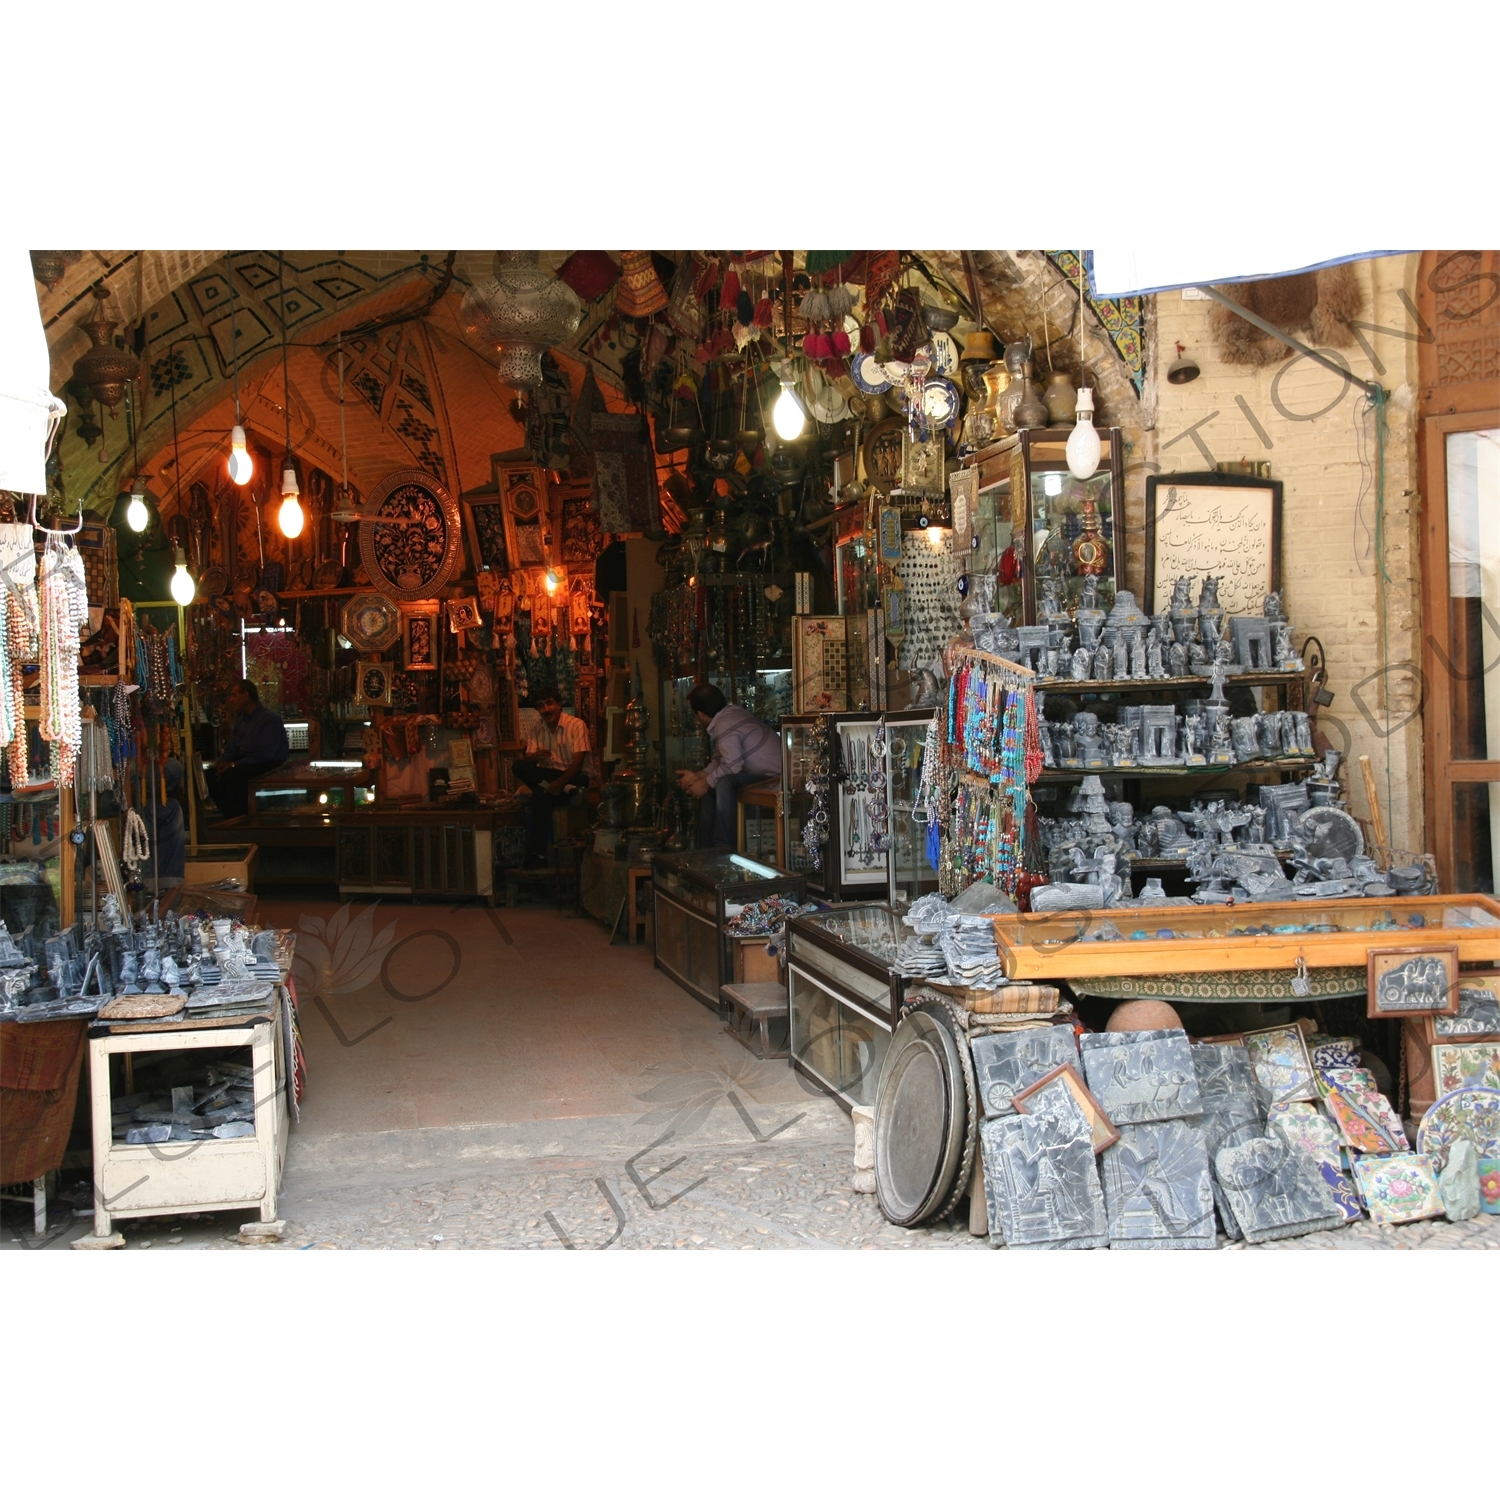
[1148, 684]
[1131, 773]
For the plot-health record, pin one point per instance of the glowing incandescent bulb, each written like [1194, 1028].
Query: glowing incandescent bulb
[241, 465]
[182, 585]
[289, 517]
[787, 415]
[1083, 441]
[551, 580]
[137, 514]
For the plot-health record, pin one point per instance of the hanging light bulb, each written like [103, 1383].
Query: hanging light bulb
[1083, 441]
[787, 415]
[551, 580]
[137, 512]
[241, 465]
[289, 517]
[183, 587]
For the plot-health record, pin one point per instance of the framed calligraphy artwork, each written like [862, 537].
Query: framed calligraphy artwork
[1227, 525]
[419, 630]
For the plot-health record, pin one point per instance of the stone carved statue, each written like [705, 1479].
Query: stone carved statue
[1208, 598]
[1182, 594]
[1273, 609]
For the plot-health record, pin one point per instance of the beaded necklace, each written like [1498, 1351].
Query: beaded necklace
[64, 612]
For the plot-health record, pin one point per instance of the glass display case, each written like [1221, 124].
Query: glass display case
[845, 997]
[1073, 528]
[692, 894]
[306, 792]
[854, 863]
[1252, 935]
[910, 872]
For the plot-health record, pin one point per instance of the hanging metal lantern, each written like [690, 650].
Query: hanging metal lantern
[104, 369]
[50, 266]
[523, 310]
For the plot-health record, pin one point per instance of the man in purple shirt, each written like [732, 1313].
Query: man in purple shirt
[746, 749]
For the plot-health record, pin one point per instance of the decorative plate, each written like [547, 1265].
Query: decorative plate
[371, 622]
[944, 354]
[1330, 832]
[941, 402]
[866, 372]
[1465, 1114]
[411, 543]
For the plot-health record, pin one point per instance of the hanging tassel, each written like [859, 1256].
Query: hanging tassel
[729, 292]
[765, 311]
[744, 308]
[840, 302]
[815, 307]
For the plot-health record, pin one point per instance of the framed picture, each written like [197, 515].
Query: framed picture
[485, 737]
[484, 525]
[1413, 981]
[1227, 525]
[882, 454]
[482, 686]
[1279, 1064]
[527, 505]
[1466, 1065]
[419, 633]
[463, 614]
[1478, 1012]
[1043, 1096]
[373, 681]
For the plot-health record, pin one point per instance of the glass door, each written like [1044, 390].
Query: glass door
[1463, 648]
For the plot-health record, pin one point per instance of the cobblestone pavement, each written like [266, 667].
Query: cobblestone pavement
[727, 1195]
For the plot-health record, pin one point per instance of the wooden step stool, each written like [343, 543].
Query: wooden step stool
[759, 1005]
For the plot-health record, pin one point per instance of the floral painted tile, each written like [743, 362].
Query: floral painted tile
[1398, 1189]
[1362, 1114]
[1466, 1065]
[1335, 1052]
[1279, 1064]
[1303, 1124]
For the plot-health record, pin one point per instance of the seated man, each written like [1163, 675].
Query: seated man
[746, 749]
[256, 744]
[554, 763]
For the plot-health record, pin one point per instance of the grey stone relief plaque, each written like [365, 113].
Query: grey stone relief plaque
[1012, 1060]
[1040, 1183]
[1157, 1188]
[1478, 1014]
[1232, 1113]
[1275, 1189]
[1142, 1075]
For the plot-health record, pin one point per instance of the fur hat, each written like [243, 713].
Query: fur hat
[1322, 303]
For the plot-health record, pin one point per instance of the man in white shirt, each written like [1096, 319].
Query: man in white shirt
[556, 761]
[746, 749]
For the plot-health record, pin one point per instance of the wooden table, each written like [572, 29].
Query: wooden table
[759, 1005]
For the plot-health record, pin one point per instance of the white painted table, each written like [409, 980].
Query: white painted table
[192, 1176]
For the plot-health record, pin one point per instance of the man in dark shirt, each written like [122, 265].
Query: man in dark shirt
[256, 744]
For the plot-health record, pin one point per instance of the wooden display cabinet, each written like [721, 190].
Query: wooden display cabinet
[1063, 945]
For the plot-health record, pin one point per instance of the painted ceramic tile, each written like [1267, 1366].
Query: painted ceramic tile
[1157, 1188]
[1062, 1095]
[1329, 1079]
[1276, 1189]
[1343, 1191]
[1279, 1064]
[1362, 1114]
[1478, 1008]
[1142, 1075]
[1040, 1183]
[1336, 1052]
[1412, 981]
[1467, 1114]
[1466, 1065]
[1398, 1189]
[1231, 1113]
[1489, 1185]
[1306, 1126]
[1012, 1060]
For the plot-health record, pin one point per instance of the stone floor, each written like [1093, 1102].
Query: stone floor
[479, 1079]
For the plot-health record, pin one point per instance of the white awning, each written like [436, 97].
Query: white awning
[28, 408]
[1133, 273]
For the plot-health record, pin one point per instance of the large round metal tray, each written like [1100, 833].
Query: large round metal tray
[923, 1116]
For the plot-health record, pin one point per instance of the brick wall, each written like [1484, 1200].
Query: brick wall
[1319, 437]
